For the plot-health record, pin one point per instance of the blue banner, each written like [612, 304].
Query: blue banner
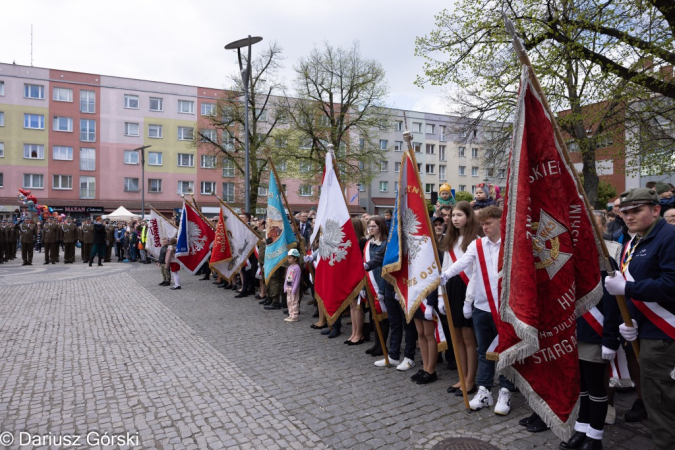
[392, 254]
[182, 243]
[278, 233]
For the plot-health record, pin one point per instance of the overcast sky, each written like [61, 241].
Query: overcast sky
[182, 41]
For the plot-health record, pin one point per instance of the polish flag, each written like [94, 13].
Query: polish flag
[195, 238]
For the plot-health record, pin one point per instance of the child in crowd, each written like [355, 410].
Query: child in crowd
[161, 262]
[292, 285]
[170, 260]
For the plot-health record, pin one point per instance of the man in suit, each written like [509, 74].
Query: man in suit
[304, 227]
[27, 234]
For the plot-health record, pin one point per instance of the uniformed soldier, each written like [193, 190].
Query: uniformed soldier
[27, 232]
[87, 239]
[2, 241]
[109, 240]
[13, 236]
[50, 238]
[5, 239]
[69, 233]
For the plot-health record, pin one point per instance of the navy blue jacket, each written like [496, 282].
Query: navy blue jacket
[653, 268]
[612, 319]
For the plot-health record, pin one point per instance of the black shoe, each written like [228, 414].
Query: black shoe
[373, 348]
[24, 264]
[418, 375]
[285, 311]
[284, 305]
[451, 389]
[206, 278]
[537, 426]
[162, 283]
[272, 306]
[528, 420]
[47, 262]
[427, 378]
[100, 264]
[268, 302]
[326, 332]
[377, 352]
[335, 333]
[258, 297]
[575, 441]
[241, 295]
[173, 288]
[637, 412]
[591, 444]
[263, 301]
[473, 390]
[217, 282]
[359, 342]
[318, 327]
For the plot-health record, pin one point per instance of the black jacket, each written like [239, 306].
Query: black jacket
[99, 234]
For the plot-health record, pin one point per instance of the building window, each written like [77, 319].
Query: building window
[384, 166]
[33, 151]
[186, 107]
[384, 186]
[228, 141]
[442, 138]
[62, 94]
[281, 167]
[431, 129]
[228, 192]
[63, 124]
[186, 160]
[154, 158]
[396, 187]
[87, 159]
[430, 169]
[34, 121]
[87, 187]
[462, 171]
[34, 91]
[2, 180]
[208, 162]
[398, 126]
[61, 153]
[441, 152]
[474, 171]
[207, 187]
[208, 109]
[573, 146]
[131, 185]
[155, 131]
[228, 168]
[383, 144]
[186, 187]
[208, 136]
[362, 188]
[2, 149]
[262, 115]
[462, 188]
[154, 185]
[2, 119]
[473, 189]
[462, 152]
[33, 180]
[156, 104]
[428, 188]
[474, 153]
[130, 101]
[417, 127]
[419, 168]
[130, 157]
[2, 88]
[262, 191]
[417, 146]
[441, 173]
[501, 173]
[305, 190]
[88, 102]
[185, 133]
[397, 167]
[131, 129]
[304, 166]
[489, 173]
[431, 149]
[87, 130]
[398, 146]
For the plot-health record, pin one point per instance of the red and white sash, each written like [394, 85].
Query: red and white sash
[439, 334]
[463, 275]
[491, 294]
[619, 365]
[371, 285]
[258, 273]
[655, 313]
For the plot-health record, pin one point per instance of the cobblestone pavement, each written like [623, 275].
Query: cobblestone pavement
[107, 349]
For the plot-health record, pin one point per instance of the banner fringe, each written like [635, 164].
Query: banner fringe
[588, 301]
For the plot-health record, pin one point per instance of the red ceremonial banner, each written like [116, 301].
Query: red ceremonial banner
[221, 250]
[550, 268]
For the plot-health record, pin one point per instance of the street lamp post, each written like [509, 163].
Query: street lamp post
[245, 77]
[142, 150]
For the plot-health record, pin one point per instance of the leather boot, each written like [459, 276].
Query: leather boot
[91, 260]
[575, 441]
[591, 444]
[99, 261]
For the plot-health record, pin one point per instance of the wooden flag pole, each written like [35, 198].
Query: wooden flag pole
[407, 136]
[294, 225]
[525, 60]
[160, 214]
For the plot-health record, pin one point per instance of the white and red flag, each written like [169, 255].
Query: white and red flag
[242, 240]
[158, 228]
[339, 273]
[549, 267]
[195, 238]
[410, 258]
[221, 254]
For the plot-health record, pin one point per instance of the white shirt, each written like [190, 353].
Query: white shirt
[470, 259]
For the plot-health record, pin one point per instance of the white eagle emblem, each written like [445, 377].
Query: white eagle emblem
[196, 241]
[331, 245]
[410, 227]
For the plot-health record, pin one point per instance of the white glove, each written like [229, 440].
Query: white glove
[629, 333]
[444, 278]
[380, 298]
[307, 258]
[467, 310]
[365, 266]
[608, 353]
[615, 285]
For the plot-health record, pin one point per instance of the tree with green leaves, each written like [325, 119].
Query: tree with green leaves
[584, 52]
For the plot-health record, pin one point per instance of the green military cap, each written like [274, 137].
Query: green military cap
[636, 197]
[661, 188]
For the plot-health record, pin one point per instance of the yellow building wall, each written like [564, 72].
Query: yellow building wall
[169, 145]
[14, 135]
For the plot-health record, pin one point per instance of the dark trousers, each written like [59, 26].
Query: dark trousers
[69, 252]
[52, 249]
[27, 253]
[657, 360]
[48, 251]
[248, 283]
[108, 252]
[486, 331]
[396, 327]
[593, 396]
[97, 250]
[120, 251]
[86, 251]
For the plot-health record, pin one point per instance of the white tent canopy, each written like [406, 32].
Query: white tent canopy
[122, 214]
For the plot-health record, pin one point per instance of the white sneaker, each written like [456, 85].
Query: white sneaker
[482, 399]
[383, 362]
[610, 418]
[503, 405]
[406, 364]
